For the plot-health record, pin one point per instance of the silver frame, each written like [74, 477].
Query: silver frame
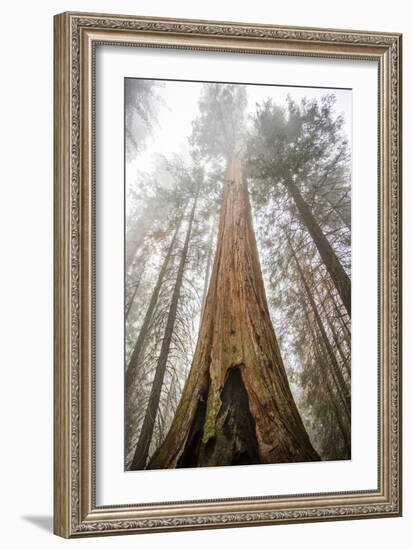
[75, 40]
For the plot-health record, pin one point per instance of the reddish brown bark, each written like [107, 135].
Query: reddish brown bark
[236, 406]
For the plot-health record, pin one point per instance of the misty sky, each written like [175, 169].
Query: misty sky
[178, 107]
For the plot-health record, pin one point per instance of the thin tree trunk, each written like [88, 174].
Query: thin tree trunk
[335, 336]
[146, 433]
[346, 329]
[167, 406]
[331, 261]
[344, 322]
[341, 423]
[134, 358]
[236, 406]
[345, 219]
[338, 343]
[325, 376]
[341, 384]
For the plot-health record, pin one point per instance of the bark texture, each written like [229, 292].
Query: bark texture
[236, 406]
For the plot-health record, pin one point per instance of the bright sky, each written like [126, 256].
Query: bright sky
[179, 107]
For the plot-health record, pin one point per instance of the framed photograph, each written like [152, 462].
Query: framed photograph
[227, 274]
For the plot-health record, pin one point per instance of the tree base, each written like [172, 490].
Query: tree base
[235, 441]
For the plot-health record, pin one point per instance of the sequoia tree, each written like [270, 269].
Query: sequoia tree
[236, 406]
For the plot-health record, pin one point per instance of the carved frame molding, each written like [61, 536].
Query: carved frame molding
[76, 36]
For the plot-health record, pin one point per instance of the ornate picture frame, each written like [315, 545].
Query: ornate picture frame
[76, 510]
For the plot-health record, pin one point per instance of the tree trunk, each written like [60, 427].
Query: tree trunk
[338, 335]
[340, 381]
[325, 377]
[336, 338]
[134, 358]
[343, 427]
[143, 444]
[236, 406]
[338, 311]
[342, 215]
[331, 261]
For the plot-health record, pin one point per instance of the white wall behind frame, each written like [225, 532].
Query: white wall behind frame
[26, 274]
